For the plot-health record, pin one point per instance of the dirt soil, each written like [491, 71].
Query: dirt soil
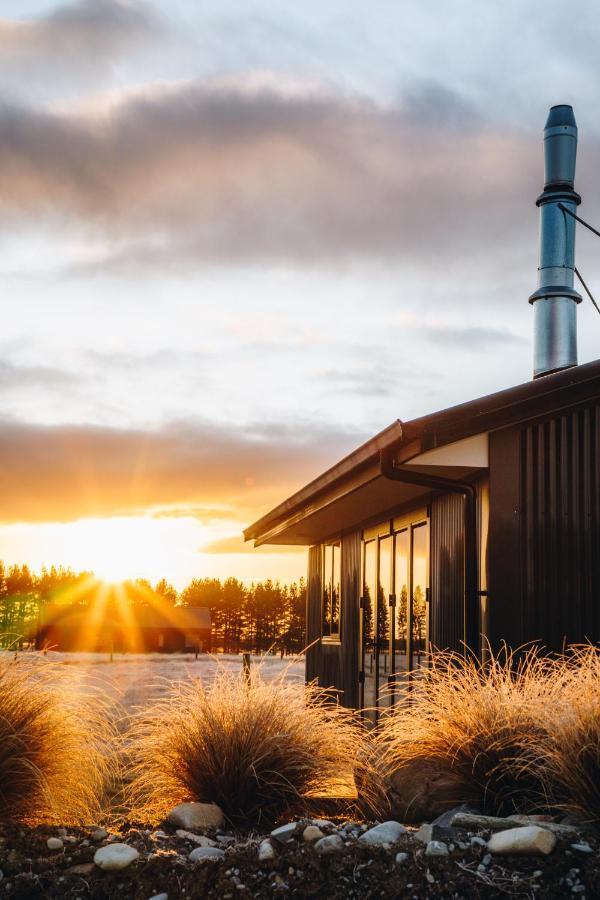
[30, 870]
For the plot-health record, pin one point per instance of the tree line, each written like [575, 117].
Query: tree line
[254, 618]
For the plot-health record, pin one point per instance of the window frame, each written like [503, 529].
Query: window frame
[327, 582]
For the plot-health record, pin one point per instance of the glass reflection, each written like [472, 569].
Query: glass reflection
[401, 590]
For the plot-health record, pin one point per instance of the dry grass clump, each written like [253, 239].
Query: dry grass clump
[461, 734]
[55, 745]
[260, 750]
[566, 759]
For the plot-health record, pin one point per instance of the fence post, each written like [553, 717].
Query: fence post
[246, 667]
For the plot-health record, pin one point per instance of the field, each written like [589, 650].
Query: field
[136, 679]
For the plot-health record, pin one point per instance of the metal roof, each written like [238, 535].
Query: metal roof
[351, 475]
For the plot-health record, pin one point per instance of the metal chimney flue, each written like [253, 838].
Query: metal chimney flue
[555, 301]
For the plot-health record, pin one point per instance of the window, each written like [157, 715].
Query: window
[331, 591]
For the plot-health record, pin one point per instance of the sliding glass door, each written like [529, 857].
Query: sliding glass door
[395, 612]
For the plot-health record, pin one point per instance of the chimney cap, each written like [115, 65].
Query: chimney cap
[562, 114]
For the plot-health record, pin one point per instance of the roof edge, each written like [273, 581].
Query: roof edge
[359, 457]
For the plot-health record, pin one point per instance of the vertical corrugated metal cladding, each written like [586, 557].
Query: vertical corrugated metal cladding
[447, 572]
[560, 528]
[350, 622]
[314, 596]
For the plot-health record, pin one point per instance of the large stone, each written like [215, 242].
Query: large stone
[200, 839]
[436, 848]
[530, 839]
[115, 856]
[386, 833]
[84, 869]
[330, 844]
[54, 843]
[423, 790]
[191, 816]
[266, 851]
[99, 834]
[206, 854]
[285, 833]
[311, 833]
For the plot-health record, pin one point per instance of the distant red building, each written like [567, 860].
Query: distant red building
[122, 627]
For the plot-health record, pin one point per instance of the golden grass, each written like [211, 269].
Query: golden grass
[55, 745]
[462, 735]
[565, 757]
[261, 751]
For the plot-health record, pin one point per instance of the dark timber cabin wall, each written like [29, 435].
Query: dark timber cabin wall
[447, 572]
[545, 514]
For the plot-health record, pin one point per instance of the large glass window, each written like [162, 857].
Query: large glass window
[395, 613]
[331, 591]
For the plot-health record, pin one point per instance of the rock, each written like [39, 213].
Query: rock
[436, 848]
[205, 854]
[530, 839]
[311, 833]
[477, 841]
[81, 869]
[322, 823]
[330, 844]
[200, 839]
[401, 858]
[54, 843]
[266, 851]
[99, 834]
[424, 834]
[115, 856]
[423, 790]
[226, 839]
[196, 815]
[386, 833]
[285, 833]
[583, 847]
[159, 897]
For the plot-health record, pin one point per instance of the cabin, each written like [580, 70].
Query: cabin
[472, 527]
[124, 628]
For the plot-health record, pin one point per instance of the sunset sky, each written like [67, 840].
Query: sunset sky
[238, 238]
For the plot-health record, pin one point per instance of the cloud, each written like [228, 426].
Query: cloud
[225, 172]
[471, 337]
[62, 473]
[84, 34]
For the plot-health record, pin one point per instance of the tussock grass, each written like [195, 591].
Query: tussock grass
[261, 751]
[55, 745]
[464, 732]
[566, 758]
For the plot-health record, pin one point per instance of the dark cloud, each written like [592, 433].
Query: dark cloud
[84, 33]
[61, 473]
[222, 174]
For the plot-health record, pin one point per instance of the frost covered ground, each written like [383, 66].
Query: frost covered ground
[135, 679]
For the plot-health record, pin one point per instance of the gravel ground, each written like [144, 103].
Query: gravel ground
[30, 869]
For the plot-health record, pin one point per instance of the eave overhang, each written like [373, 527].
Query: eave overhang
[353, 490]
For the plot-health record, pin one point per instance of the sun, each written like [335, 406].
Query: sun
[117, 549]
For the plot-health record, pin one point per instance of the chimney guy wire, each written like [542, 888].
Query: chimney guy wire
[597, 233]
